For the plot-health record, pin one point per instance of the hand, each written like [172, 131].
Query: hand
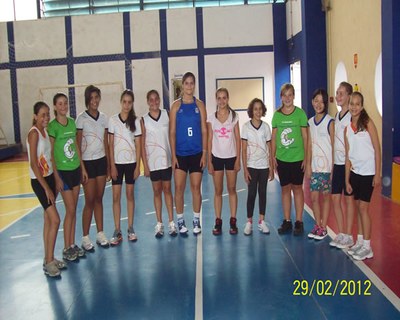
[59, 185]
[349, 189]
[210, 168]
[136, 173]
[203, 161]
[50, 196]
[271, 175]
[175, 163]
[308, 172]
[377, 181]
[108, 176]
[85, 177]
[114, 172]
[237, 165]
[146, 172]
[247, 176]
[275, 164]
[303, 166]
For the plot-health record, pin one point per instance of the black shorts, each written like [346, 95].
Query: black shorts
[362, 186]
[163, 174]
[70, 178]
[190, 163]
[96, 168]
[338, 180]
[39, 191]
[127, 169]
[290, 173]
[220, 164]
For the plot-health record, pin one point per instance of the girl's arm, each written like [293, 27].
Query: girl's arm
[247, 176]
[113, 168]
[33, 138]
[349, 189]
[143, 149]
[332, 136]
[59, 182]
[309, 156]
[238, 145]
[203, 116]
[209, 139]
[377, 148]
[273, 148]
[107, 152]
[172, 133]
[138, 143]
[271, 163]
[78, 141]
[305, 135]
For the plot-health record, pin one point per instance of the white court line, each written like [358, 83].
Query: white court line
[379, 284]
[20, 236]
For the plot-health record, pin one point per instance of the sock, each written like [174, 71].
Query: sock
[196, 215]
[179, 216]
[367, 244]
[360, 238]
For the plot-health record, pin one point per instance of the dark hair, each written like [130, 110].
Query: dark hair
[130, 121]
[324, 95]
[188, 75]
[363, 119]
[88, 92]
[57, 96]
[229, 107]
[347, 86]
[285, 87]
[36, 108]
[250, 109]
[153, 91]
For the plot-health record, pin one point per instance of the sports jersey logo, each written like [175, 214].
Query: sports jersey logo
[223, 132]
[43, 166]
[285, 139]
[68, 151]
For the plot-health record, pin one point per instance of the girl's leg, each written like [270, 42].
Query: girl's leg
[350, 214]
[70, 217]
[98, 202]
[195, 185]
[46, 226]
[87, 213]
[75, 196]
[298, 201]
[252, 192]
[326, 205]
[130, 203]
[262, 192]
[365, 219]
[337, 209]
[218, 178]
[166, 186]
[231, 177]
[157, 198]
[180, 185]
[286, 201]
[116, 191]
[316, 207]
[52, 222]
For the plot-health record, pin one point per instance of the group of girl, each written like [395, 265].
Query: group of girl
[64, 153]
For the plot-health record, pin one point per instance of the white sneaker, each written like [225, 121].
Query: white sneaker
[196, 226]
[87, 244]
[248, 228]
[353, 250]
[172, 229]
[346, 242]
[102, 240]
[263, 227]
[363, 253]
[159, 230]
[338, 239]
[131, 234]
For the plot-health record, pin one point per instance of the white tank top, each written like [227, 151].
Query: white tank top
[361, 152]
[321, 144]
[158, 149]
[43, 154]
[340, 124]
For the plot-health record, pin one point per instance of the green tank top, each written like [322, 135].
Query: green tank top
[65, 152]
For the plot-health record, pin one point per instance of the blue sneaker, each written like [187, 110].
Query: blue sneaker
[182, 227]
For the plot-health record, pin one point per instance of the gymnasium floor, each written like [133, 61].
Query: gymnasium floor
[204, 277]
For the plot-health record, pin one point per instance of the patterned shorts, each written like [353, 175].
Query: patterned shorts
[321, 182]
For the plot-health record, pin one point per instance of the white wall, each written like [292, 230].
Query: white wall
[145, 36]
[181, 27]
[3, 43]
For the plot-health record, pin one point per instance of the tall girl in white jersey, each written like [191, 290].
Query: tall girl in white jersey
[124, 133]
[320, 162]
[188, 137]
[363, 165]
[344, 212]
[156, 155]
[92, 138]
[43, 184]
[224, 154]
